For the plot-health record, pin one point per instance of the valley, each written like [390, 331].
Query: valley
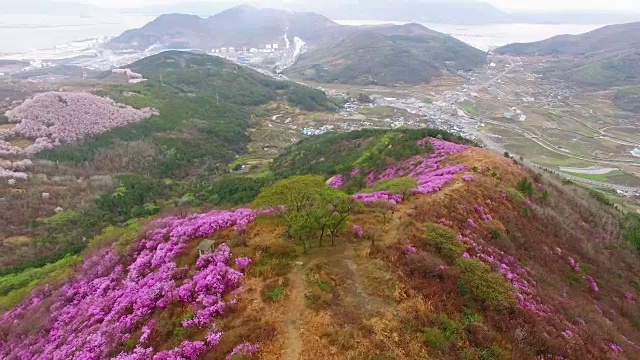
[506, 107]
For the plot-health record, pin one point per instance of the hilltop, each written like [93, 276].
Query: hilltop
[599, 59]
[393, 244]
[238, 26]
[387, 55]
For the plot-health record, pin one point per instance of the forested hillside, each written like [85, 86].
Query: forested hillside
[196, 112]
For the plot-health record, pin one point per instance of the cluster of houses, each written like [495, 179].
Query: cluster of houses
[267, 48]
[515, 114]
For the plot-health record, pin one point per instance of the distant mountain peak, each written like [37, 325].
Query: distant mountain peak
[601, 58]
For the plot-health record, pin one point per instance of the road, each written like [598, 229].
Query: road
[496, 147]
[496, 78]
[533, 137]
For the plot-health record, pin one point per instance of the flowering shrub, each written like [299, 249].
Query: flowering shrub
[243, 262]
[243, 350]
[426, 169]
[14, 170]
[592, 284]
[337, 181]
[615, 348]
[511, 269]
[483, 213]
[630, 296]
[467, 178]
[55, 118]
[574, 264]
[409, 249]
[12, 175]
[357, 230]
[107, 300]
[371, 198]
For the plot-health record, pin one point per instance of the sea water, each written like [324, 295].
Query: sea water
[487, 37]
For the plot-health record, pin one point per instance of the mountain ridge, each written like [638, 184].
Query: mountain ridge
[424, 52]
[603, 58]
[239, 26]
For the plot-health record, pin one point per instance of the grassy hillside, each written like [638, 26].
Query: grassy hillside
[601, 58]
[341, 153]
[495, 262]
[387, 55]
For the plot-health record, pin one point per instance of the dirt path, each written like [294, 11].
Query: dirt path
[391, 235]
[295, 306]
[342, 256]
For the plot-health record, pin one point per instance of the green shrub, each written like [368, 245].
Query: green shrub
[544, 197]
[600, 197]
[228, 191]
[514, 195]
[276, 294]
[434, 338]
[395, 186]
[132, 197]
[124, 235]
[631, 230]
[445, 240]
[189, 315]
[496, 234]
[470, 317]
[449, 327]
[484, 286]
[492, 353]
[63, 218]
[526, 187]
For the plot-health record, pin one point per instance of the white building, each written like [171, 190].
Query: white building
[268, 46]
[231, 49]
[275, 46]
[253, 50]
[223, 49]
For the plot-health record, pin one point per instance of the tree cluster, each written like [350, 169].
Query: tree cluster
[308, 207]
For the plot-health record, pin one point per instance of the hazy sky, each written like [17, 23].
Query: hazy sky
[575, 5]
